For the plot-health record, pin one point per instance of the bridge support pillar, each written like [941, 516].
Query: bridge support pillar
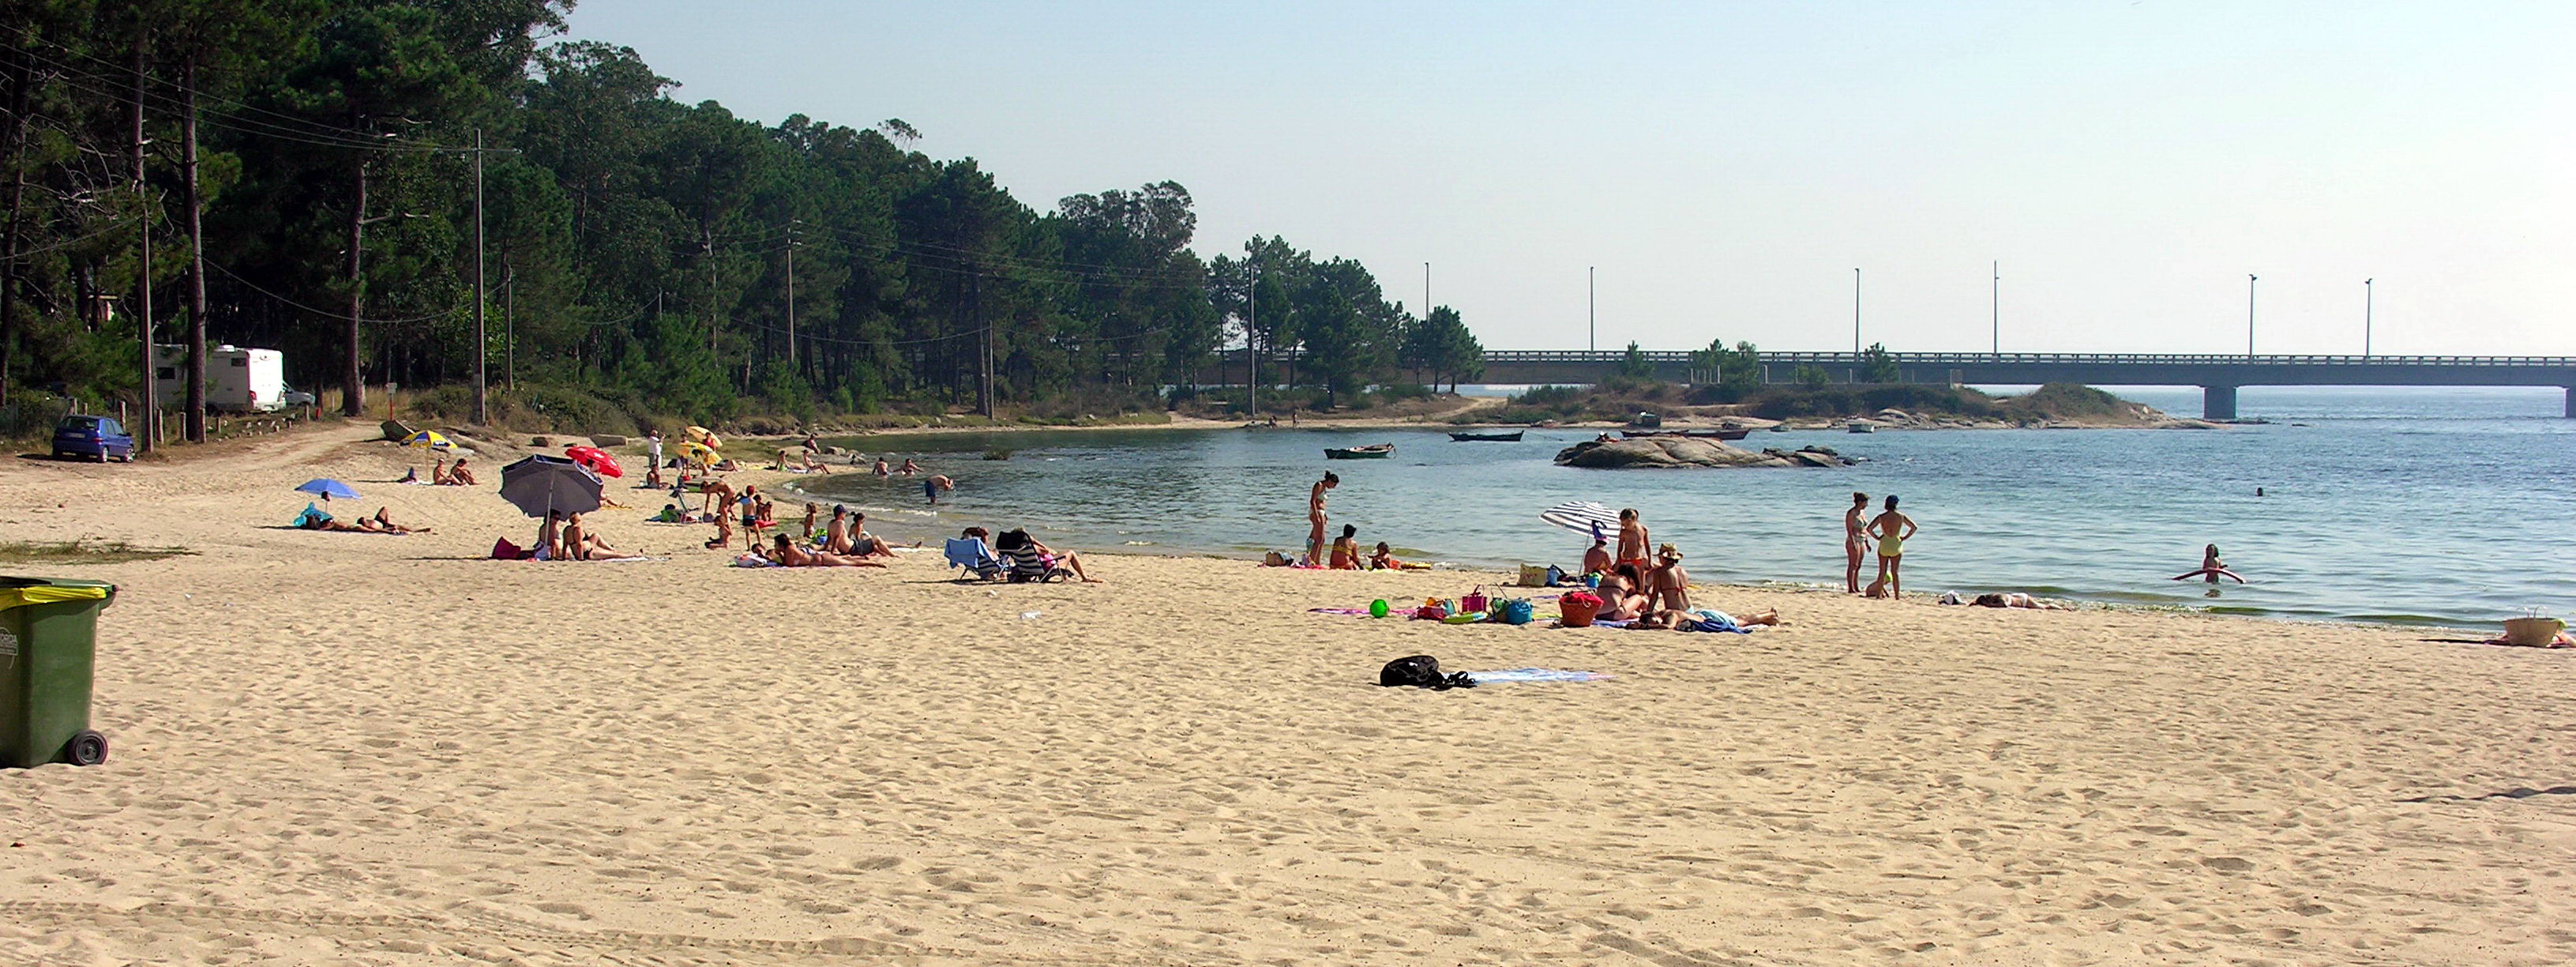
[2571, 402]
[2219, 402]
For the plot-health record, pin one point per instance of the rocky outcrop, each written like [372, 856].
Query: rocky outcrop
[1671, 452]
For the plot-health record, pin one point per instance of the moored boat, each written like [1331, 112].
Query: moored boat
[1373, 452]
[1512, 437]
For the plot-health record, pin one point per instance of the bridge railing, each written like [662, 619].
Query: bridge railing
[2039, 359]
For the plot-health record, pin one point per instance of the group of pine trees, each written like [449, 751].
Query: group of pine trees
[302, 174]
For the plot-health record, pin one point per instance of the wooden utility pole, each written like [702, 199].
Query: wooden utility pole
[791, 294]
[482, 345]
[196, 411]
[353, 391]
[145, 437]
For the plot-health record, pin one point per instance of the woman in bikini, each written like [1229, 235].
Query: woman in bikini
[1892, 529]
[1855, 543]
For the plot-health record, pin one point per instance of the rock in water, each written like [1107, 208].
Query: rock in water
[1663, 451]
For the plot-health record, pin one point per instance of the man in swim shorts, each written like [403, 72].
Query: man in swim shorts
[1632, 539]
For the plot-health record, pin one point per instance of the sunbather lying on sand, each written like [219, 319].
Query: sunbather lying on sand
[2016, 599]
[784, 552]
[386, 524]
[1669, 618]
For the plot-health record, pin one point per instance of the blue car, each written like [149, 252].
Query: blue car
[95, 437]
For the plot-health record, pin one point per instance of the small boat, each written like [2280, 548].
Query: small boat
[1857, 426]
[1376, 452]
[1512, 437]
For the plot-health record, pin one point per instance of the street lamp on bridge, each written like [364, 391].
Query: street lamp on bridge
[2365, 318]
[2249, 315]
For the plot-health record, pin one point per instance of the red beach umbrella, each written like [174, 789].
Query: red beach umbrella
[596, 459]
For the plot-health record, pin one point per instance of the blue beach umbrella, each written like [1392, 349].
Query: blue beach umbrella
[327, 488]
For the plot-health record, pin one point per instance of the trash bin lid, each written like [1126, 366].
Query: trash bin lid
[19, 592]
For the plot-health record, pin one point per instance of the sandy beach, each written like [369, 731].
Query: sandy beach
[350, 748]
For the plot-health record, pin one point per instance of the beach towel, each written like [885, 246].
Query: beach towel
[1535, 675]
[973, 555]
[1351, 612]
[755, 560]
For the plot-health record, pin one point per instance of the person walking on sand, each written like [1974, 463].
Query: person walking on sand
[1315, 517]
[653, 448]
[1855, 543]
[1892, 530]
[1632, 539]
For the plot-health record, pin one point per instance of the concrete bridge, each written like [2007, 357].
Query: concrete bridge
[2217, 376]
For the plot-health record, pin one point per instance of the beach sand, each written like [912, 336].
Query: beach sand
[348, 748]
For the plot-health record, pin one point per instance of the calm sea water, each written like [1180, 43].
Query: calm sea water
[2437, 506]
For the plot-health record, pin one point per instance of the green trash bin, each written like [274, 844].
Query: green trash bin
[48, 640]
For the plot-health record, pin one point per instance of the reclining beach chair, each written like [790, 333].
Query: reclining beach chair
[1028, 565]
[971, 555]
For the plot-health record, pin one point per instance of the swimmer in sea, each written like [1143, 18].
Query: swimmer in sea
[2211, 568]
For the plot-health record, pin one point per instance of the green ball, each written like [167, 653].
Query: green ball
[1377, 608]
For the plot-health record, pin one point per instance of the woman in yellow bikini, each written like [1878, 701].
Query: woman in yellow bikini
[1891, 529]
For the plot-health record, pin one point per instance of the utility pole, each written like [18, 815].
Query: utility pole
[195, 401]
[1252, 352]
[509, 332]
[144, 436]
[482, 368]
[1854, 375]
[1426, 290]
[791, 292]
[1591, 311]
[1998, 310]
[2365, 318]
[2249, 317]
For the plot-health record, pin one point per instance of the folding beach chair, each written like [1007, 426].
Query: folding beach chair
[972, 556]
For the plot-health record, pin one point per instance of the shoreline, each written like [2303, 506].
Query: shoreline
[342, 747]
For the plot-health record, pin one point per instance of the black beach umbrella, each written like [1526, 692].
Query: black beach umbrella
[540, 484]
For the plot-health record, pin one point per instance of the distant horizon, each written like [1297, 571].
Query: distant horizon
[2129, 166]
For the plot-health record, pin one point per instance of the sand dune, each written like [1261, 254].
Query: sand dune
[340, 748]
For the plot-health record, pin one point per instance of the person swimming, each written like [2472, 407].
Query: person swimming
[2211, 568]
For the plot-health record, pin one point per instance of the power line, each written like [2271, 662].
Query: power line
[325, 313]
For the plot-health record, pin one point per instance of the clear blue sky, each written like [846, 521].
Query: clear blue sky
[1727, 165]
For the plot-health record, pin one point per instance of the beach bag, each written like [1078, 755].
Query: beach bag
[1474, 602]
[1421, 671]
[1534, 576]
[1514, 611]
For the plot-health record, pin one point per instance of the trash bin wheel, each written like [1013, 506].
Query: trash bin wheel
[87, 748]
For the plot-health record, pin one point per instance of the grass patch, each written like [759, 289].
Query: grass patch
[76, 552]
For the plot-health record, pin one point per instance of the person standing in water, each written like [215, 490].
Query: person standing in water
[1892, 529]
[2211, 568]
[1315, 517]
[1855, 543]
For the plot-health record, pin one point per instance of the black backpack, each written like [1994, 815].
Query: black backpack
[1421, 671]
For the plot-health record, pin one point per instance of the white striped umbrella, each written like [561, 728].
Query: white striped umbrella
[1583, 517]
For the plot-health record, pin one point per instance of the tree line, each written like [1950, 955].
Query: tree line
[304, 174]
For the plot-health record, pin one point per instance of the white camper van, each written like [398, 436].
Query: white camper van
[237, 380]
